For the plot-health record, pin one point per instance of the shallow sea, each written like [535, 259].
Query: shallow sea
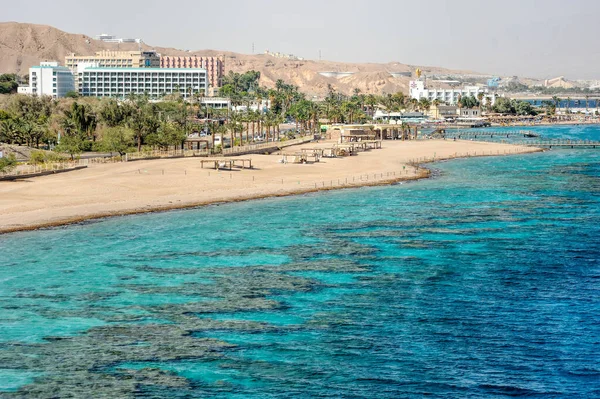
[482, 282]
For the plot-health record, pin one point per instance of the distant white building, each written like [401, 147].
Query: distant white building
[216, 102]
[469, 112]
[419, 90]
[113, 39]
[398, 117]
[49, 79]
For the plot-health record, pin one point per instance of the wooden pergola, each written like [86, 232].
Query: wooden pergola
[190, 141]
[372, 144]
[356, 138]
[227, 163]
[313, 151]
[345, 149]
[297, 157]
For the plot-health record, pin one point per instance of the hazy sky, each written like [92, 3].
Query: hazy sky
[511, 37]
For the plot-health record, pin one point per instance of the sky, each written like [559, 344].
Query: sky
[528, 38]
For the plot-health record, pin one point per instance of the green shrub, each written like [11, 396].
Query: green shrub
[54, 157]
[8, 163]
[37, 157]
[87, 145]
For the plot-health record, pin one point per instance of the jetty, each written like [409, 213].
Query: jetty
[488, 133]
[561, 144]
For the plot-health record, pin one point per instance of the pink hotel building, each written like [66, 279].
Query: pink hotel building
[215, 66]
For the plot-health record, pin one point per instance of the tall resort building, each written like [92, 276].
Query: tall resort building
[215, 66]
[49, 79]
[155, 82]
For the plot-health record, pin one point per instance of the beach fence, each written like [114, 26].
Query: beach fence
[237, 150]
[158, 154]
[470, 154]
[247, 178]
[562, 143]
[28, 171]
[265, 147]
[478, 134]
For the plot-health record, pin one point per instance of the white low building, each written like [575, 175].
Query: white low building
[398, 117]
[24, 89]
[216, 102]
[49, 79]
[155, 82]
[419, 90]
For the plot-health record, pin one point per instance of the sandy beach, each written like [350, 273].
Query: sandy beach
[152, 185]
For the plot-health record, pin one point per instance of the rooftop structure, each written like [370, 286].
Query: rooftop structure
[215, 66]
[113, 39]
[115, 59]
[155, 82]
[494, 82]
[216, 102]
[401, 74]
[399, 117]
[283, 55]
[337, 75]
[559, 82]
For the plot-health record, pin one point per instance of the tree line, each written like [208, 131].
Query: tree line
[137, 122]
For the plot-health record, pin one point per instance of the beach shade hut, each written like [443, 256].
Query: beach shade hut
[329, 152]
[296, 157]
[315, 153]
[343, 150]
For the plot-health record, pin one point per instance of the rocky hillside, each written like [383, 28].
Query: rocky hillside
[23, 45]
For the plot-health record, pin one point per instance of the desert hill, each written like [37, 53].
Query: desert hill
[23, 45]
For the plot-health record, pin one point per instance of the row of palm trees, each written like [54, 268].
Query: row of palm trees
[288, 104]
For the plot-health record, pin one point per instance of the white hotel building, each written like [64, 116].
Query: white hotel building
[418, 90]
[49, 79]
[155, 82]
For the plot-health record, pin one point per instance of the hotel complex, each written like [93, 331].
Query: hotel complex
[419, 90]
[155, 82]
[215, 66]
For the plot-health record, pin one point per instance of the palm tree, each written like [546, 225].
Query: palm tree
[556, 101]
[405, 127]
[424, 104]
[253, 117]
[488, 103]
[371, 101]
[270, 119]
[480, 99]
[587, 98]
[221, 130]
[414, 103]
[10, 132]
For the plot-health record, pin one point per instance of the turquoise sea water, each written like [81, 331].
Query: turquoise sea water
[480, 282]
